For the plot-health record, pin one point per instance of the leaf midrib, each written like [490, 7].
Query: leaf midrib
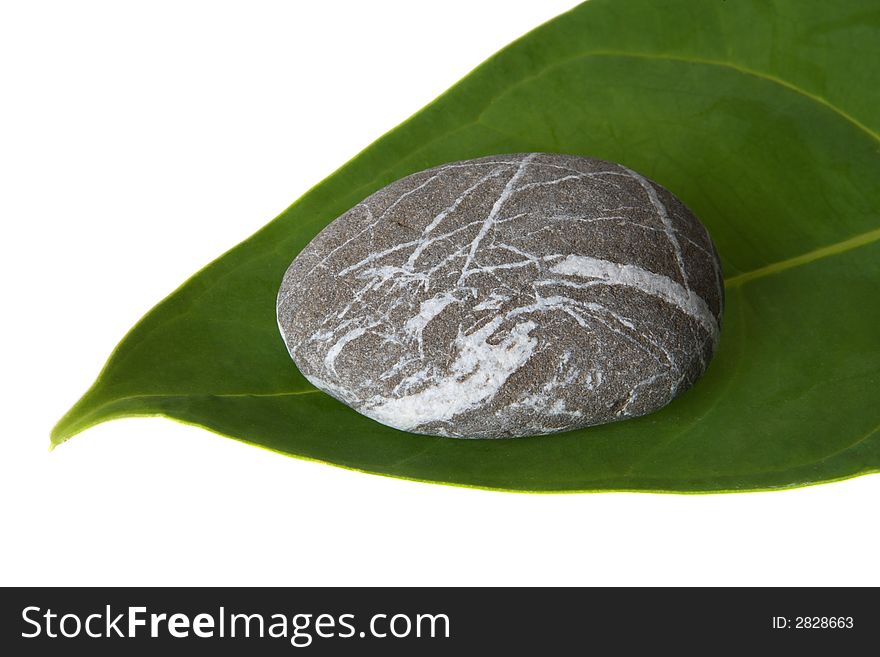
[730, 284]
[97, 413]
[837, 248]
[221, 395]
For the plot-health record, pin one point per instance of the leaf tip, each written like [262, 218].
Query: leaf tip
[85, 413]
[62, 431]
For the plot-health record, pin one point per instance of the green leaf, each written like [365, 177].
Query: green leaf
[762, 116]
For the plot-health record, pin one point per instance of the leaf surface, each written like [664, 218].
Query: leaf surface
[763, 117]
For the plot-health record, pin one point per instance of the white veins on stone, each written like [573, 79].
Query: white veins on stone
[502, 339]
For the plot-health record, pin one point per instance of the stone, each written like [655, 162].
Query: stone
[513, 295]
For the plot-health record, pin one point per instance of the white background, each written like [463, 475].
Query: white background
[138, 141]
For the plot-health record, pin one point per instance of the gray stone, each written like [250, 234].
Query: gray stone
[506, 296]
